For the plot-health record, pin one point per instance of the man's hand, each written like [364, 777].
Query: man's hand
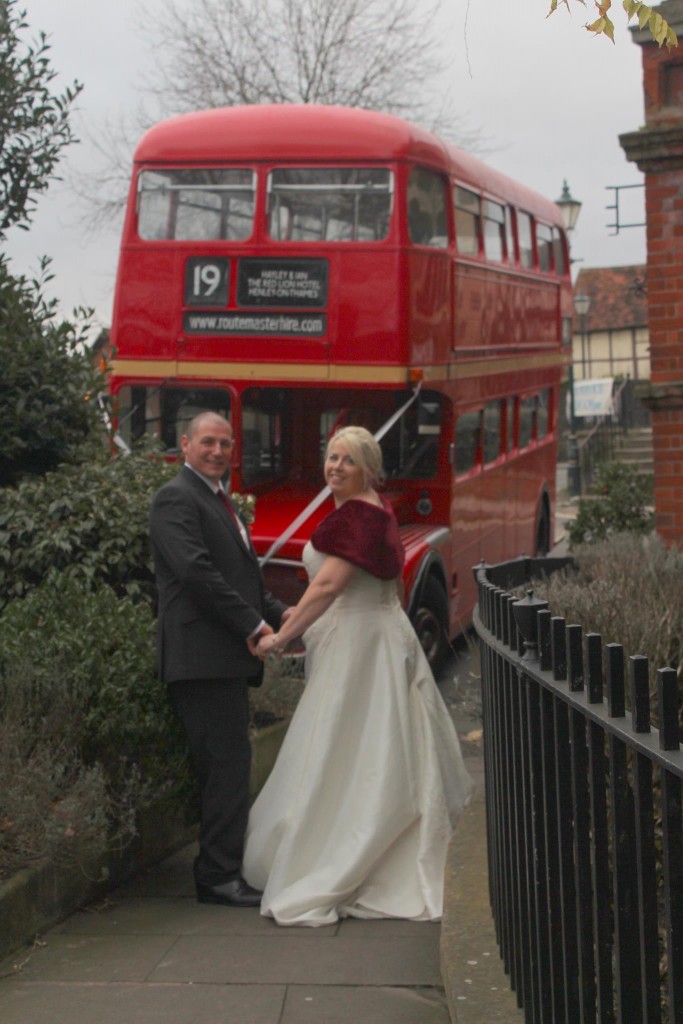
[252, 641]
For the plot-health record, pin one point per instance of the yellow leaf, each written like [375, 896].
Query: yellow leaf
[643, 15]
[603, 26]
[657, 27]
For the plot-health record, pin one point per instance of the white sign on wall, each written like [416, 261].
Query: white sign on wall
[593, 397]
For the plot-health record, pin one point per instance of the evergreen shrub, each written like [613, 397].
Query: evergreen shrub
[620, 504]
[87, 520]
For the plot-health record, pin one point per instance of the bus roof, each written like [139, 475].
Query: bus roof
[310, 133]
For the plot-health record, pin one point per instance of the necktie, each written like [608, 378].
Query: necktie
[233, 515]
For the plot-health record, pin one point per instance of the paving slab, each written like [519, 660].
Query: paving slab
[65, 1003]
[87, 959]
[350, 958]
[342, 1005]
[174, 916]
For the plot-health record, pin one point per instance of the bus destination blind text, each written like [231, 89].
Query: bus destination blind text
[296, 282]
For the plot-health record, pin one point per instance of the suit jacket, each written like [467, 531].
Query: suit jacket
[211, 592]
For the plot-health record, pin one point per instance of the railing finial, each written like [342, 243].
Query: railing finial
[525, 612]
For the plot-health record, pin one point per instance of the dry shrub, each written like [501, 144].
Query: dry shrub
[51, 803]
[629, 589]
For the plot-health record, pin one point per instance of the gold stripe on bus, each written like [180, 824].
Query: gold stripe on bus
[488, 367]
[263, 371]
[333, 373]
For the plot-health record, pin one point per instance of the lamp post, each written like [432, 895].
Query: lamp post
[570, 209]
[573, 464]
[582, 305]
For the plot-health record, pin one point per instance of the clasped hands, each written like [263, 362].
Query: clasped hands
[268, 642]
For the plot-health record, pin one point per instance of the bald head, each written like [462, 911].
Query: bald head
[203, 419]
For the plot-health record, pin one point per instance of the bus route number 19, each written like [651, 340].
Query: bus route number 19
[206, 281]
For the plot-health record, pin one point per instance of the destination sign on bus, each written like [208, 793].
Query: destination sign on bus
[295, 282]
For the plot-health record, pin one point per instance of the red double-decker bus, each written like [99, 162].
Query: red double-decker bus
[300, 268]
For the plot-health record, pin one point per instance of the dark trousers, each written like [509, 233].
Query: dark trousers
[215, 714]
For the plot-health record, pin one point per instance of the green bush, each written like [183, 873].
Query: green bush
[87, 520]
[81, 702]
[619, 505]
[48, 383]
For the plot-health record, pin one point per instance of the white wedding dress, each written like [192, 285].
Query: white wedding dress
[357, 814]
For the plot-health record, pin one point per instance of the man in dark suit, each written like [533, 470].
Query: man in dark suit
[213, 607]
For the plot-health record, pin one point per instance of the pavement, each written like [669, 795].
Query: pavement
[150, 953]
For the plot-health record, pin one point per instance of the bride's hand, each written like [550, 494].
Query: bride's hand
[269, 645]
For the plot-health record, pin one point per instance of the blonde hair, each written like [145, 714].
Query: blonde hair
[364, 451]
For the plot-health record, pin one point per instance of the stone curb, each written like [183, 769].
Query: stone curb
[44, 894]
[476, 985]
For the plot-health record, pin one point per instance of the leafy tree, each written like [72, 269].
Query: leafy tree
[659, 28]
[47, 381]
[34, 123]
[46, 378]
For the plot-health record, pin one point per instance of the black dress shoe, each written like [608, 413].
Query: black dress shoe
[233, 894]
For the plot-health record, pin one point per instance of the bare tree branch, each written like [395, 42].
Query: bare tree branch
[377, 54]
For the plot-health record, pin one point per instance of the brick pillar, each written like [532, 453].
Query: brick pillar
[657, 149]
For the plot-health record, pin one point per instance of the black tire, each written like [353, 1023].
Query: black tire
[430, 621]
[543, 533]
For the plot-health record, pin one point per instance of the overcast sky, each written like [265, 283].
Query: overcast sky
[549, 100]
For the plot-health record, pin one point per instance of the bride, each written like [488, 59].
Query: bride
[356, 816]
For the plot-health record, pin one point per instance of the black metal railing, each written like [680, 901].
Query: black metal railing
[585, 830]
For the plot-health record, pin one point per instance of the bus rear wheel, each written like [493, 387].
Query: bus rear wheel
[543, 533]
[430, 623]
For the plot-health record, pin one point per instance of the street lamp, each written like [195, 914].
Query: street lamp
[570, 208]
[582, 304]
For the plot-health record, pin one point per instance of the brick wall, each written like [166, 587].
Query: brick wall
[657, 149]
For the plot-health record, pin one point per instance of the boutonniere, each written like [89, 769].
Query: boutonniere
[245, 505]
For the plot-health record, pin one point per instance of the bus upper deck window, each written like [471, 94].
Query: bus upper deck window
[509, 235]
[494, 231]
[558, 252]
[525, 239]
[467, 220]
[196, 205]
[544, 244]
[329, 204]
[427, 219]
